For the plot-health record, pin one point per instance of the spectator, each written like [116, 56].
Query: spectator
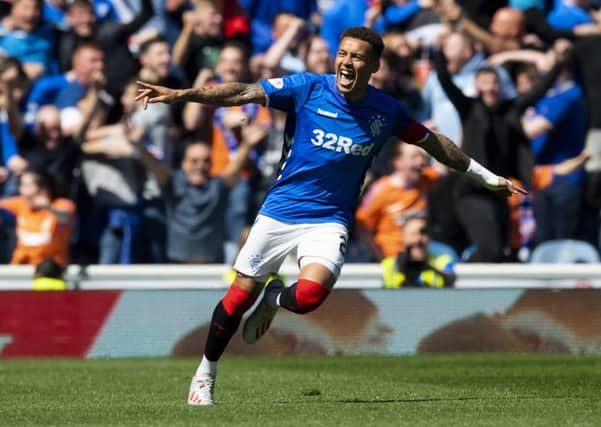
[557, 130]
[462, 64]
[316, 55]
[230, 126]
[512, 29]
[46, 148]
[111, 37]
[157, 137]
[523, 223]
[283, 55]
[115, 180]
[200, 40]
[416, 266]
[156, 63]
[25, 36]
[84, 94]
[196, 202]
[493, 135]
[44, 222]
[53, 12]
[13, 85]
[157, 67]
[391, 199]
[87, 64]
[588, 63]
[262, 15]
[388, 79]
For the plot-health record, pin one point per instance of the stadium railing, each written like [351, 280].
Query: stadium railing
[358, 276]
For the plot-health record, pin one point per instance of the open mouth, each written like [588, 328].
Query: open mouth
[346, 78]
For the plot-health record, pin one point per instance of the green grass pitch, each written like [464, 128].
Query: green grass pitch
[455, 390]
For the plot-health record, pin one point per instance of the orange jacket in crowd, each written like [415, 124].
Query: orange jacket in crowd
[385, 206]
[40, 235]
[221, 153]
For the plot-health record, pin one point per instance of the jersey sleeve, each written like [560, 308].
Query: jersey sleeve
[408, 129]
[286, 93]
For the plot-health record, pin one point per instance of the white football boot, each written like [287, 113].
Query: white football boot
[201, 390]
[260, 319]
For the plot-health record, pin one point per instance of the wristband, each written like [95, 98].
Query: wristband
[476, 170]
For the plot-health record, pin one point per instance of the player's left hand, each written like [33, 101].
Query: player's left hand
[506, 188]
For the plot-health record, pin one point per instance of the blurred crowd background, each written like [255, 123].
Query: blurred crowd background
[88, 176]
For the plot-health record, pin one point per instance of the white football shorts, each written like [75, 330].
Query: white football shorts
[270, 241]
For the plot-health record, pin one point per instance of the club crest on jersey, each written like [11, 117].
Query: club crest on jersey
[376, 125]
[276, 83]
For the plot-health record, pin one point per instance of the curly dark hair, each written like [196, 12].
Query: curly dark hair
[367, 35]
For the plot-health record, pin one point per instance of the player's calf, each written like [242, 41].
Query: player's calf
[303, 297]
[226, 319]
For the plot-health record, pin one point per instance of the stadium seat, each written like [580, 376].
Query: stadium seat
[437, 248]
[564, 251]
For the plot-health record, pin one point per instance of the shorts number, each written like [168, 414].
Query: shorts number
[342, 247]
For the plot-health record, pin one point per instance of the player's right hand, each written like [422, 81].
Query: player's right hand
[506, 188]
[151, 94]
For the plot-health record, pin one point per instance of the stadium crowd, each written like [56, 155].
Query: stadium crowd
[88, 175]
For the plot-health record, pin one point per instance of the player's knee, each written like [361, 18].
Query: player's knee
[309, 295]
[236, 301]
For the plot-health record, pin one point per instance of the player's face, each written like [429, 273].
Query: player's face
[355, 64]
[197, 163]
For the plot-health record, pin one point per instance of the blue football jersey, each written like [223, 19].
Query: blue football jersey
[329, 143]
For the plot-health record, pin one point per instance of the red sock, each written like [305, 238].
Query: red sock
[304, 296]
[236, 301]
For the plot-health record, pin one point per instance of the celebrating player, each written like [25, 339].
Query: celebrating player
[335, 125]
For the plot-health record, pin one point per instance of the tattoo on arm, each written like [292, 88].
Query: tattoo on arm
[226, 94]
[445, 151]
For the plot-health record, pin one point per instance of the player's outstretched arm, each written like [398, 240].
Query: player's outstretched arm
[224, 94]
[446, 152]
